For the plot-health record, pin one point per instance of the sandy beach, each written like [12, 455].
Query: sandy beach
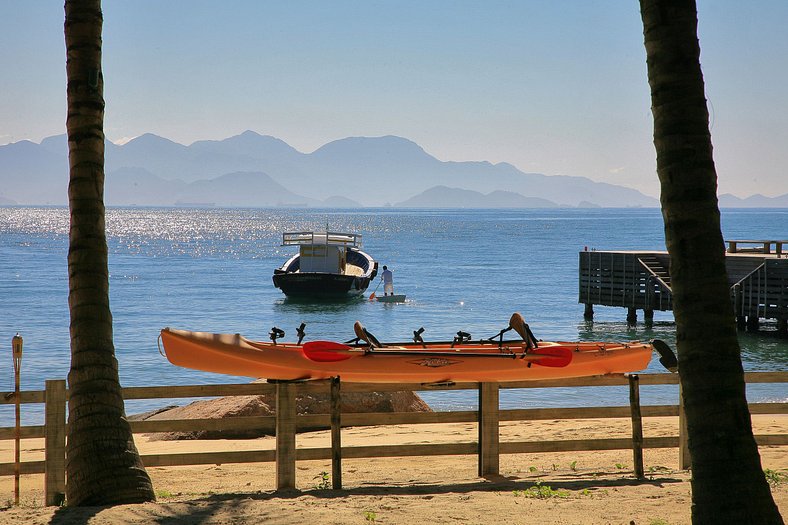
[551, 488]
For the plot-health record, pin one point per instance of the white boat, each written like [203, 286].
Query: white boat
[328, 264]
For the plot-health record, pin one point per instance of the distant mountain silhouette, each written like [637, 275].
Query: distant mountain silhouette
[256, 170]
[754, 201]
[443, 197]
[247, 189]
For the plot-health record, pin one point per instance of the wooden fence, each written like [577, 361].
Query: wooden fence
[285, 424]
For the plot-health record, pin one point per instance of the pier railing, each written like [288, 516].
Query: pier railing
[285, 424]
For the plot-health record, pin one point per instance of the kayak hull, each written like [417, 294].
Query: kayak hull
[235, 355]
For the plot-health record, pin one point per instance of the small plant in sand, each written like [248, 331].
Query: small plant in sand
[774, 477]
[532, 469]
[161, 493]
[325, 481]
[540, 491]
[370, 516]
[620, 466]
[573, 466]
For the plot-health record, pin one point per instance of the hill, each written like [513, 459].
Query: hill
[370, 171]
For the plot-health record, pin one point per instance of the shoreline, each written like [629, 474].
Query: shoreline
[561, 487]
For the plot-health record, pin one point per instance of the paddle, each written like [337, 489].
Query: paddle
[329, 351]
[372, 295]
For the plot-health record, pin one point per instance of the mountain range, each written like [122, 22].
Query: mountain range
[252, 170]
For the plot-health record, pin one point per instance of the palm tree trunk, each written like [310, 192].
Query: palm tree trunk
[102, 463]
[728, 484]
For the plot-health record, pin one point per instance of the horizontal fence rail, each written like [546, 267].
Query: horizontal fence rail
[285, 424]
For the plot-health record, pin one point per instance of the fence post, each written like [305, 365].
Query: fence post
[55, 442]
[285, 435]
[685, 460]
[488, 429]
[637, 425]
[336, 435]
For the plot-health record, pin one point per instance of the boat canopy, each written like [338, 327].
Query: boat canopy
[352, 240]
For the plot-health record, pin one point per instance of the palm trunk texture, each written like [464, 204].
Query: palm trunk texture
[102, 463]
[728, 483]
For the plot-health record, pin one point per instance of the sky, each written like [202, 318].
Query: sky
[556, 87]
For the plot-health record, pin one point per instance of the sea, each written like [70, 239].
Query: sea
[209, 269]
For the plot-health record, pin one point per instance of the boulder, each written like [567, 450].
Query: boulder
[265, 405]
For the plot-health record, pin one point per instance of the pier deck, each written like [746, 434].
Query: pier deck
[757, 276]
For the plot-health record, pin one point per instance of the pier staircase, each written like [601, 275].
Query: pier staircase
[658, 267]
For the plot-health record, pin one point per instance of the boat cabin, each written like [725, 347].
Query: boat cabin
[324, 252]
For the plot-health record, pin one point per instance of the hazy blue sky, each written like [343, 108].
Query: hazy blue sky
[557, 87]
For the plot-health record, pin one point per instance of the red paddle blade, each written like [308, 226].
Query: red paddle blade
[327, 351]
[551, 356]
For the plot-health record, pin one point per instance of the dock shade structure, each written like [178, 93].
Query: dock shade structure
[640, 280]
[328, 264]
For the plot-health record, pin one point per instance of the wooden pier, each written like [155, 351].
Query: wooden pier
[758, 279]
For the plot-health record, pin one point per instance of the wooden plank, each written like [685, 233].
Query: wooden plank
[391, 451]
[579, 445]
[387, 418]
[25, 432]
[25, 467]
[585, 413]
[771, 439]
[208, 458]
[264, 423]
[25, 397]
[165, 392]
[285, 436]
[488, 429]
[55, 442]
[766, 377]
[768, 408]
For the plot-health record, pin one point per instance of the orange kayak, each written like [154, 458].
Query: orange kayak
[494, 361]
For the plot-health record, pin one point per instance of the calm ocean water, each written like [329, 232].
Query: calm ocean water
[210, 270]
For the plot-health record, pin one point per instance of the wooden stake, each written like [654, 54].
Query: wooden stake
[637, 425]
[489, 446]
[336, 435]
[285, 435]
[16, 347]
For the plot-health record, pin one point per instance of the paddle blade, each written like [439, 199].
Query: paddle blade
[546, 356]
[372, 296]
[327, 351]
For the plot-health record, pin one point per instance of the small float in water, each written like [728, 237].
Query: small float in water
[395, 298]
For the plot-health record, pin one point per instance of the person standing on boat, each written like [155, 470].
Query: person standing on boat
[388, 281]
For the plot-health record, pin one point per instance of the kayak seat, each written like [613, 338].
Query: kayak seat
[364, 335]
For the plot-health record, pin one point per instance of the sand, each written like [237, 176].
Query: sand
[551, 488]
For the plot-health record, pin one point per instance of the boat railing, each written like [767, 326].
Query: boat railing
[286, 423]
[352, 240]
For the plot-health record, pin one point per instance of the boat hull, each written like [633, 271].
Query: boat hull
[236, 355]
[319, 284]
